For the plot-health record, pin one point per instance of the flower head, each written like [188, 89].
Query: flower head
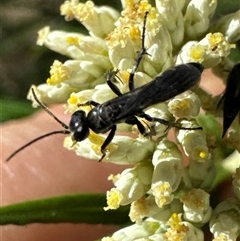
[169, 199]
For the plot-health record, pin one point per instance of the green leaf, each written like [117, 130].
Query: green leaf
[79, 208]
[225, 7]
[14, 109]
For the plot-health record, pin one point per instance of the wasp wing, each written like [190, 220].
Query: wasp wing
[164, 87]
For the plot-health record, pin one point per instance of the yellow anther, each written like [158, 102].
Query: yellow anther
[73, 40]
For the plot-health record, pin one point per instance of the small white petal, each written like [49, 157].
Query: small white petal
[229, 25]
[122, 149]
[133, 183]
[98, 20]
[194, 144]
[185, 105]
[226, 219]
[171, 18]
[197, 207]
[197, 17]
[139, 232]
[49, 94]
[167, 161]
[77, 74]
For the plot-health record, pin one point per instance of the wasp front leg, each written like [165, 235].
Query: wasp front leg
[107, 141]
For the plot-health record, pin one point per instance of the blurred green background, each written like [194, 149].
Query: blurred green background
[23, 63]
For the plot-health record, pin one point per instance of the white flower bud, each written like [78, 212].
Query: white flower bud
[229, 25]
[185, 105]
[193, 233]
[194, 144]
[147, 207]
[209, 51]
[159, 111]
[138, 232]
[49, 94]
[197, 17]
[182, 4]
[122, 57]
[167, 161]
[180, 230]
[216, 46]
[197, 207]
[98, 20]
[77, 74]
[200, 174]
[225, 221]
[75, 45]
[132, 184]
[122, 149]
[191, 52]
[101, 93]
[171, 17]
[159, 49]
[232, 162]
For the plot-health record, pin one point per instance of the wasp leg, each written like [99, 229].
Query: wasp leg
[107, 141]
[167, 123]
[141, 53]
[111, 85]
[134, 121]
[88, 103]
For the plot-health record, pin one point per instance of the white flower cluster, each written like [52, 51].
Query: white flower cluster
[169, 199]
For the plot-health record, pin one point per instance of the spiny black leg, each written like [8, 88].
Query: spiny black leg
[107, 141]
[112, 86]
[167, 123]
[90, 102]
[142, 52]
[134, 121]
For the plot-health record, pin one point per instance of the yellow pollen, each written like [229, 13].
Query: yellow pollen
[124, 76]
[73, 40]
[129, 3]
[66, 9]
[114, 197]
[133, 32]
[144, 6]
[197, 53]
[85, 11]
[97, 141]
[215, 38]
[203, 154]
[73, 100]
[164, 187]
[115, 37]
[42, 35]
[175, 223]
[181, 105]
[59, 73]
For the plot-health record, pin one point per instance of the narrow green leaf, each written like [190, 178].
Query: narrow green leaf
[14, 109]
[79, 208]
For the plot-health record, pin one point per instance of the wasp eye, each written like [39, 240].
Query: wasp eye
[78, 126]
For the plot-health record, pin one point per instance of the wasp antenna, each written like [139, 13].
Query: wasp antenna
[35, 140]
[47, 110]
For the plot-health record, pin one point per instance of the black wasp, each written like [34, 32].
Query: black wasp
[125, 108]
[231, 98]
